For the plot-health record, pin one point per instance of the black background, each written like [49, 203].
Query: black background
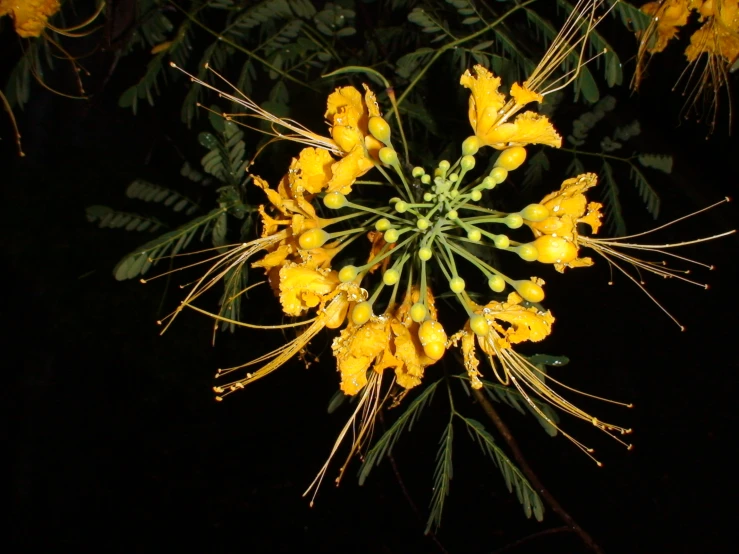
[118, 446]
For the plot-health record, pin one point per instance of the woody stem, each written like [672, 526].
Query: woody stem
[530, 475]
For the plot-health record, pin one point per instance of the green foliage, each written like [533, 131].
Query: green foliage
[514, 479]
[609, 145]
[149, 192]
[109, 218]
[442, 477]
[170, 244]
[224, 161]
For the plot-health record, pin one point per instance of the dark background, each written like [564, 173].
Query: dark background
[118, 446]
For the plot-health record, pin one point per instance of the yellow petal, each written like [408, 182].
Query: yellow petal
[277, 200]
[302, 288]
[528, 128]
[370, 100]
[485, 100]
[471, 363]
[30, 16]
[274, 259]
[409, 351]
[524, 96]
[347, 170]
[311, 171]
[355, 349]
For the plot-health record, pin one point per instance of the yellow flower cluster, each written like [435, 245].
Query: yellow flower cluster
[719, 34]
[414, 240]
[29, 16]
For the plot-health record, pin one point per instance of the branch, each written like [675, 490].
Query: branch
[530, 475]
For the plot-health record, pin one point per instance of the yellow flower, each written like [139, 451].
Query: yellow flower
[490, 112]
[302, 288]
[557, 239]
[356, 349]
[29, 16]
[310, 172]
[522, 324]
[348, 114]
[388, 341]
[715, 40]
[668, 16]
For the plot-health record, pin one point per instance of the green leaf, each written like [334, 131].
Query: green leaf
[107, 217]
[149, 192]
[140, 260]
[442, 478]
[657, 161]
[647, 193]
[514, 479]
[614, 214]
[386, 442]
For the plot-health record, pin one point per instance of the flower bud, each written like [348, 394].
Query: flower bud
[334, 200]
[379, 129]
[361, 313]
[388, 156]
[313, 238]
[511, 158]
[529, 291]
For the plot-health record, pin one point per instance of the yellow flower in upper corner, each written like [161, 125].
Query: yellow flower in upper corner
[302, 288]
[668, 15]
[714, 39]
[490, 113]
[557, 237]
[29, 16]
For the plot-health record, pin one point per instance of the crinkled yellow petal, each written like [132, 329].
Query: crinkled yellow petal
[270, 225]
[578, 262]
[347, 114]
[524, 96]
[275, 258]
[528, 128]
[485, 100]
[302, 288]
[409, 351]
[714, 39]
[370, 100]
[30, 16]
[277, 200]
[347, 170]
[669, 15]
[471, 363]
[355, 349]
[593, 217]
[522, 324]
[569, 199]
[343, 97]
[311, 171]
